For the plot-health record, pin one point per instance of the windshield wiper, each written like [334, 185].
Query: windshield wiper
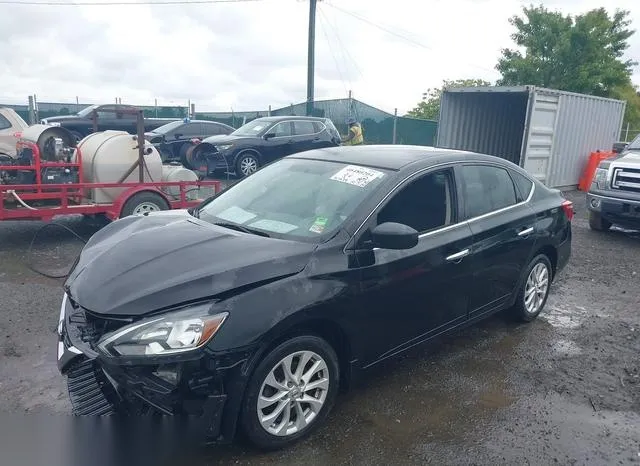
[244, 229]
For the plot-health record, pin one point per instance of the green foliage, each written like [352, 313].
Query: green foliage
[429, 107]
[580, 54]
[631, 94]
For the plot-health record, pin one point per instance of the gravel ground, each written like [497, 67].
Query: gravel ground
[562, 390]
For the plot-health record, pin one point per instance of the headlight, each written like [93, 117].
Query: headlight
[600, 178]
[224, 147]
[171, 333]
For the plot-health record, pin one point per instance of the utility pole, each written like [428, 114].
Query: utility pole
[311, 55]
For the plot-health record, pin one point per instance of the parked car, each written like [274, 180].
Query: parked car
[614, 195]
[261, 141]
[108, 117]
[294, 281]
[11, 125]
[173, 139]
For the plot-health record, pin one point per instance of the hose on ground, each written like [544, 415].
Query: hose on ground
[33, 240]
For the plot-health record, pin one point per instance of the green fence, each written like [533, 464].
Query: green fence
[378, 126]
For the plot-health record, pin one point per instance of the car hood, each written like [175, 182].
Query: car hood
[141, 264]
[227, 139]
[62, 118]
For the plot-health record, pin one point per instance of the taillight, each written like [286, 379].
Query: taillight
[567, 206]
[17, 134]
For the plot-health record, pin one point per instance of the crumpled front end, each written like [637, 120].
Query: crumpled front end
[191, 387]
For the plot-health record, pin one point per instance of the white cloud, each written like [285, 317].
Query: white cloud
[252, 55]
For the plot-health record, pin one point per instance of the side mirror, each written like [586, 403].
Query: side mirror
[177, 136]
[390, 235]
[269, 136]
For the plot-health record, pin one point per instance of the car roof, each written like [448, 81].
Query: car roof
[393, 157]
[283, 118]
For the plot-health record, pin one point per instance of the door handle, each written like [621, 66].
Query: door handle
[458, 255]
[526, 232]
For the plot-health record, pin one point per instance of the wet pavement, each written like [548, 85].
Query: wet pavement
[564, 389]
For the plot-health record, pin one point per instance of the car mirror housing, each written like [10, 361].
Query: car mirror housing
[270, 135]
[391, 235]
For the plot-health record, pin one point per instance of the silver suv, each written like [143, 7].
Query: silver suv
[614, 195]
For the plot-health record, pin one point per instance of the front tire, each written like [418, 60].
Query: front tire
[290, 393]
[535, 289]
[247, 164]
[597, 223]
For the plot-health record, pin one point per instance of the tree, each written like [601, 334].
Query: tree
[429, 107]
[580, 54]
[631, 94]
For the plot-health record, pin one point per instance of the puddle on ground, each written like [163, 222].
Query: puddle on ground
[566, 348]
[561, 317]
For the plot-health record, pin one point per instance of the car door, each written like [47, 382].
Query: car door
[126, 118]
[280, 142]
[106, 118]
[304, 135]
[409, 296]
[503, 226]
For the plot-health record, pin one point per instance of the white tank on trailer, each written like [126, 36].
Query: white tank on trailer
[107, 156]
[174, 173]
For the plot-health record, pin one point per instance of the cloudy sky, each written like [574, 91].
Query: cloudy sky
[250, 55]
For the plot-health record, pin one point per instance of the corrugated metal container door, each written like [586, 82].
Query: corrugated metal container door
[585, 124]
[489, 121]
[539, 140]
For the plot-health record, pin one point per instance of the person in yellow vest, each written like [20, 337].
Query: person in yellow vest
[355, 136]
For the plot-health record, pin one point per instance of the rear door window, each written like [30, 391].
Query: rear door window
[486, 189]
[303, 128]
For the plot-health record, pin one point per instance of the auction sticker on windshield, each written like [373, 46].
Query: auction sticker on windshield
[357, 176]
[236, 214]
[273, 225]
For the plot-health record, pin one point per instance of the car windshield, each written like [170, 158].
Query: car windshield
[87, 110]
[164, 129]
[635, 144]
[252, 128]
[297, 199]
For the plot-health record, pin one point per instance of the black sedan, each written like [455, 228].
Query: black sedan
[174, 139]
[262, 141]
[296, 280]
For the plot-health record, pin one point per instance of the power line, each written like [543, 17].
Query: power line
[343, 49]
[392, 32]
[335, 60]
[120, 3]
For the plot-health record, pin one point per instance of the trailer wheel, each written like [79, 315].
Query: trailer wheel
[143, 203]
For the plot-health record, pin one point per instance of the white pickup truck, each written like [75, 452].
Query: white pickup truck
[11, 124]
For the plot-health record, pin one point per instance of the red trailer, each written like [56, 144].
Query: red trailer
[46, 180]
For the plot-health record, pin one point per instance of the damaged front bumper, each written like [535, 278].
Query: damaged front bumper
[98, 385]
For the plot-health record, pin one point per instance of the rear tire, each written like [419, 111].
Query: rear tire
[270, 390]
[597, 223]
[142, 203]
[534, 291]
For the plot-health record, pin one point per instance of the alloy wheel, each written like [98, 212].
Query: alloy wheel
[293, 393]
[536, 288]
[248, 165]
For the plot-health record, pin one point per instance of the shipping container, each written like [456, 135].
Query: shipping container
[547, 132]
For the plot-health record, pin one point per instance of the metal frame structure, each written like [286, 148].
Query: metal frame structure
[71, 198]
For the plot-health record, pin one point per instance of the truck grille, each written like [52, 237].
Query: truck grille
[626, 179]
